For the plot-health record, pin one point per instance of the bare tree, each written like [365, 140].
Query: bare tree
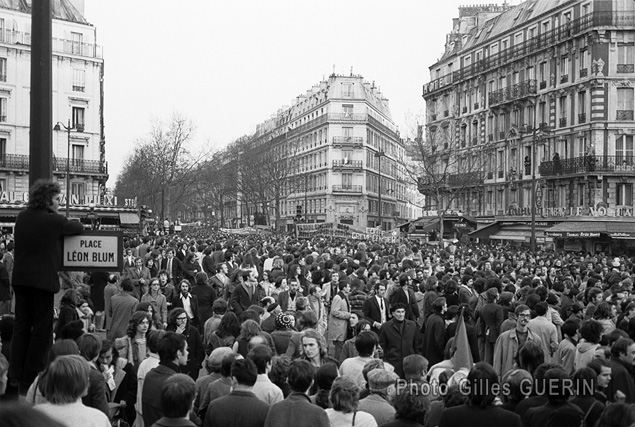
[163, 164]
[444, 165]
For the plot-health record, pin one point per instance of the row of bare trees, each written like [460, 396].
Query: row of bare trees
[250, 177]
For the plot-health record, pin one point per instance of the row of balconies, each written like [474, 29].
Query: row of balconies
[558, 167]
[66, 46]
[533, 45]
[20, 163]
[588, 164]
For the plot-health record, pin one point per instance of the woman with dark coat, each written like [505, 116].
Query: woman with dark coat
[121, 381]
[206, 296]
[191, 267]
[179, 322]
[68, 310]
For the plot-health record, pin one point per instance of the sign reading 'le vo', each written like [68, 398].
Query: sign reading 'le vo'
[93, 250]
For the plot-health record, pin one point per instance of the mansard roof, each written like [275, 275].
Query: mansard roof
[61, 9]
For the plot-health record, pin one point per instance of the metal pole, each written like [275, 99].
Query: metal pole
[533, 185]
[379, 154]
[306, 206]
[40, 134]
[68, 168]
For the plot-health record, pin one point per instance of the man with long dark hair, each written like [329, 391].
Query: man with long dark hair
[38, 255]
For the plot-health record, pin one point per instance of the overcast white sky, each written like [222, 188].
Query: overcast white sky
[229, 65]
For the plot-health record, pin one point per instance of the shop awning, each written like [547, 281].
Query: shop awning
[517, 236]
[485, 232]
[592, 229]
[128, 218]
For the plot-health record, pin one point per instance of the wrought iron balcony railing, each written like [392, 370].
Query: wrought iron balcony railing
[466, 179]
[544, 40]
[348, 141]
[79, 166]
[59, 45]
[588, 164]
[625, 68]
[347, 188]
[624, 115]
[513, 92]
[20, 162]
[348, 164]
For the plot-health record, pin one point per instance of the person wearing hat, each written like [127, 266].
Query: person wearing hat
[397, 337]
[383, 387]
[212, 364]
[284, 329]
[269, 324]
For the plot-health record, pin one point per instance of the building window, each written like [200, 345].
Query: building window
[78, 155]
[79, 84]
[77, 40]
[625, 52]
[77, 192]
[78, 118]
[624, 150]
[563, 111]
[624, 194]
[542, 72]
[564, 69]
[624, 103]
[3, 69]
[348, 110]
[347, 180]
[3, 110]
[582, 107]
[347, 90]
[581, 193]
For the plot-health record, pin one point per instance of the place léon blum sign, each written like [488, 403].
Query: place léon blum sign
[93, 250]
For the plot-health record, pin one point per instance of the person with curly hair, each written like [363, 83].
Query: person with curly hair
[39, 231]
[133, 346]
[179, 322]
[411, 409]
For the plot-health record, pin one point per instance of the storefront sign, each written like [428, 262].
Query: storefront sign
[75, 200]
[622, 234]
[594, 212]
[93, 250]
[573, 234]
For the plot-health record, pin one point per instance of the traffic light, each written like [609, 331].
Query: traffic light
[144, 212]
[298, 210]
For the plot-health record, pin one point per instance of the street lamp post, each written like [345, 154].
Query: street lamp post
[68, 129]
[379, 155]
[534, 138]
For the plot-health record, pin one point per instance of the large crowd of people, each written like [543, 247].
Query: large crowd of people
[215, 329]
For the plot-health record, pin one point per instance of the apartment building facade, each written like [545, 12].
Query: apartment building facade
[341, 150]
[543, 91]
[78, 70]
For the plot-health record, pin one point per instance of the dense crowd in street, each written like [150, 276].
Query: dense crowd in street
[201, 325]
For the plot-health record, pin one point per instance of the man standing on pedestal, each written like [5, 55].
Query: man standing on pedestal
[38, 254]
